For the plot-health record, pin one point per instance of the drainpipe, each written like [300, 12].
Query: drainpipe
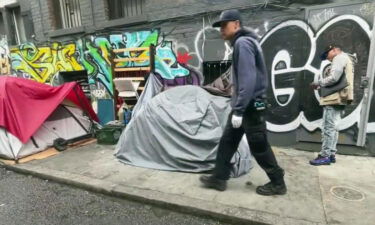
[368, 92]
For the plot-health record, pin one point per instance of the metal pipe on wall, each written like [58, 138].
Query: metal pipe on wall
[368, 93]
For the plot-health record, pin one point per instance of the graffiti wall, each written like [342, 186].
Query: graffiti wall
[292, 42]
[42, 62]
[94, 54]
[292, 48]
[292, 45]
[294, 63]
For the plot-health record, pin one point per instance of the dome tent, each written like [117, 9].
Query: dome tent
[33, 115]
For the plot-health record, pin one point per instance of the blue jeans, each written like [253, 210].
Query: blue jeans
[330, 132]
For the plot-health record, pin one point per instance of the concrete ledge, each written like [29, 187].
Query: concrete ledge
[69, 31]
[123, 22]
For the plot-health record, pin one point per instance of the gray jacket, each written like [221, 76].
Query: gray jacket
[342, 64]
[249, 71]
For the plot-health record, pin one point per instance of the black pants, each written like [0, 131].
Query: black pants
[254, 126]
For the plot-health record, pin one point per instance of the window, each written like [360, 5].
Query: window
[68, 14]
[17, 27]
[125, 8]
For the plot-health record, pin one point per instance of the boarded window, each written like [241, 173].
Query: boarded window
[125, 8]
[17, 27]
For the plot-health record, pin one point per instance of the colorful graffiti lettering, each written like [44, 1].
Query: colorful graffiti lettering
[194, 78]
[134, 40]
[94, 54]
[166, 62]
[44, 62]
[95, 58]
[292, 67]
[293, 102]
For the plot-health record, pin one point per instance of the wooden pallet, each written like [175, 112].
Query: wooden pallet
[135, 49]
[131, 59]
[117, 69]
[141, 54]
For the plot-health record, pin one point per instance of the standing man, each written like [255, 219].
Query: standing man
[248, 108]
[336, 92]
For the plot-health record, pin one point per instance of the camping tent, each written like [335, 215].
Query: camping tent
[178, 130]
[33, 115]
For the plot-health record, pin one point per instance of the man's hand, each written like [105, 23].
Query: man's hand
[314, 85]
[236, 121]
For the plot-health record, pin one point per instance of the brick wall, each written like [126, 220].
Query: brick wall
[93, 12]
[100, 11]
[86, 13]
[37, 19]
[42, 16]
[164, 9]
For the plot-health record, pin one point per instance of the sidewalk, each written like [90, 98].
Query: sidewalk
[343, 193]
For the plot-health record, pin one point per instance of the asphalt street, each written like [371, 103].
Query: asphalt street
[26, 200]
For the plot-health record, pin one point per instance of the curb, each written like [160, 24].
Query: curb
[177, 203]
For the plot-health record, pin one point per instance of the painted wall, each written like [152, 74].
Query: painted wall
[292, 45]
[94, 54]
[291, 40]
[292, 52]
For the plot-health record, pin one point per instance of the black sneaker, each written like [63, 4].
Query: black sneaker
[332, 158]
[213, 182]
[271, 189]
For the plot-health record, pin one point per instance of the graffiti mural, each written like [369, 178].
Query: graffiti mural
[95, 57]
[94, 54]
[166, 62]
[168, 68]
[293, 63]
[134, 40]
[5, 68]
[41, 63]
[291, 50]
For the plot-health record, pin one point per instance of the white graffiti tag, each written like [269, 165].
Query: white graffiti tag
[282, 64]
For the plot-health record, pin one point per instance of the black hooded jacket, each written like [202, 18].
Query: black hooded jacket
[249, 70]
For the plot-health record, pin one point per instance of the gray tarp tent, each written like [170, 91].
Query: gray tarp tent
[178, 130]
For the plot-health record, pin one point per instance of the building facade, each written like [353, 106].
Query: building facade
[41, 38]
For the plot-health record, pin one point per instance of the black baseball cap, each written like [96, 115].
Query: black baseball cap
[228, 15]
[324, 55]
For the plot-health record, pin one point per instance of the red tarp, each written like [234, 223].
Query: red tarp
[26, 104]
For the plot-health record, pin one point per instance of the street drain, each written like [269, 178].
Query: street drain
[347, 193]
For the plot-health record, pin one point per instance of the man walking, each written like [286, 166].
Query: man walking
[248, 108]
[336, 91]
